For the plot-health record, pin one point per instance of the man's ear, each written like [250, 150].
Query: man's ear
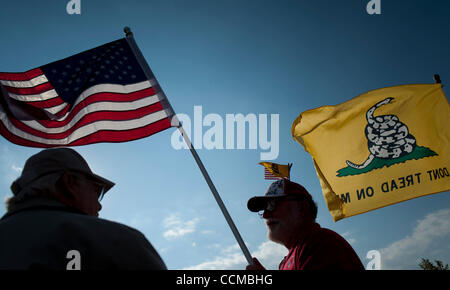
[68, 185]
[304, 209]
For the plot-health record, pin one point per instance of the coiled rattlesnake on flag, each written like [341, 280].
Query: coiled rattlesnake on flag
[387, 137]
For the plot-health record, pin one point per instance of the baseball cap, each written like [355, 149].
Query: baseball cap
[278, 189]
[55, 160]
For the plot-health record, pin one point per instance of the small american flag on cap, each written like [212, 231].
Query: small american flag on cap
[274, 171]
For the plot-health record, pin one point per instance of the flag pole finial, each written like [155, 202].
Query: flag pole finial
[437, 79]
[127, 31]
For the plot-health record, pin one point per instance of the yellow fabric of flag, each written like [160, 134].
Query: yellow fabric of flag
[277, 169]
[380, 148]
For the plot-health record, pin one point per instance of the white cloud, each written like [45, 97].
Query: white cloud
[176, 227]
[8, 168]
[231, 258]
[270, 254]
[214, 246]
[16, 168]
[350, 240]
[429, 240]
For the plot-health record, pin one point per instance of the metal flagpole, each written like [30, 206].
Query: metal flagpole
[176, 122]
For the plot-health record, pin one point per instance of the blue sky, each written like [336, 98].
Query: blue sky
[249, 57]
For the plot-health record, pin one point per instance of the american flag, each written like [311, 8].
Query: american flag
[269, 175]
[100, 95]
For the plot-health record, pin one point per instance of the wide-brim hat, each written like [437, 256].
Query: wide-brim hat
[278, 189]
[52, 161]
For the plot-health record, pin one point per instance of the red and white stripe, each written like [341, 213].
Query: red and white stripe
[34, 89]
[102, 113]
[270, 175]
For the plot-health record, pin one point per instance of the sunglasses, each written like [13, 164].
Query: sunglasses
[272, 204]
[99, 186]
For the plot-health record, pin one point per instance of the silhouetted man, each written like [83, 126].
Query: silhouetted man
[290, 214]
[54, 211]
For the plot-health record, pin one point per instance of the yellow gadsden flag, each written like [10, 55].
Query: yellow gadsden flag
[380, 148]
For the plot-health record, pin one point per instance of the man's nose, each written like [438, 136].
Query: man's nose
[266, 214]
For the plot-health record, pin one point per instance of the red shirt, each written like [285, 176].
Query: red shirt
[321, 248]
